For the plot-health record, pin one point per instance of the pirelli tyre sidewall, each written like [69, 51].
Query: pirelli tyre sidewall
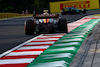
[29, 27]
[62, 25]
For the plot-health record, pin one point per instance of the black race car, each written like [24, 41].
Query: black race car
[45, 23]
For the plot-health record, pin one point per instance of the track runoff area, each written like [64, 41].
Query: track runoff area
[50, 50]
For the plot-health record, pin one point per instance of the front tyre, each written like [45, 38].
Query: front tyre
[29, 27]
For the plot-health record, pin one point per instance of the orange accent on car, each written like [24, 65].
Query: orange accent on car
[46, 20]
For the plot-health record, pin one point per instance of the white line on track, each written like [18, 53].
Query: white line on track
[67, 44]
[64, 49]
[5, 53]
[25, 53]
[16, 61]
[46, 39]
[76, 39]
[34, 43]
[33, 47]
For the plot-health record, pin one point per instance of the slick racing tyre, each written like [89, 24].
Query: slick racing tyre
[29, 27]
[62, 13]
[62, 26]
[84, 11]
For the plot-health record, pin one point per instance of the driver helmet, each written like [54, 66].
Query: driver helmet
[45, 12]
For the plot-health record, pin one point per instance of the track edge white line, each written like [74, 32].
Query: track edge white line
[7, 52]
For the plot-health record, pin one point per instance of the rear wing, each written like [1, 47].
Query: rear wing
[41, 16]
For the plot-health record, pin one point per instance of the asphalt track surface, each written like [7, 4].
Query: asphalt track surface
[12, 30]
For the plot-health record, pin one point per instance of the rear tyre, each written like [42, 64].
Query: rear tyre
[62, 26]
[29, 27]
[63, 13]
[84, 11]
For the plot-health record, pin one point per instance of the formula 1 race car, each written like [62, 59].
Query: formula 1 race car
[45, 23]
[73, 10]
